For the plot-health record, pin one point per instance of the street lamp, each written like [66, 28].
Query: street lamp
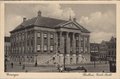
[36, 62]
[94, 55]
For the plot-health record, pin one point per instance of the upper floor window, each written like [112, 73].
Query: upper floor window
[51, 36]
[45, 47]
[77, 38]
[81, 38]
[38, 47]
[38, 34]
[45, 35]
[81, 49]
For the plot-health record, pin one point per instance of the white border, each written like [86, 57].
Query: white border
[23, 75]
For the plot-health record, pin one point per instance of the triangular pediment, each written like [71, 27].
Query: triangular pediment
[70, 25]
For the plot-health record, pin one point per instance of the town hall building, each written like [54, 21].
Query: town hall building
[45, 40]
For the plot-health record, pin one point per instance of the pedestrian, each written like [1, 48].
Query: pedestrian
[58, 67]
[61, 69]
[11, 65]
[23, 67]
[20, 63]
[85, 70]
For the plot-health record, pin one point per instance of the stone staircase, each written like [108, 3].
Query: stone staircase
[50, 59]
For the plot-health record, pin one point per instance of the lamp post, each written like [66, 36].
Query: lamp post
[64, 53]
[36, 62]
[94, 55]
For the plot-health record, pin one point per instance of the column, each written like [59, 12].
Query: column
[74, 44]
[79, 58]
[88, 49]
[74, 49]
[74, 58]
[67, 48]
[61, 43]
[56, 42]
[61, 56]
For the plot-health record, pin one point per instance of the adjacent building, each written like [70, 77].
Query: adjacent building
[45, 40]
[108, 50]
[111, 55]
[103, 51]
[7, 47]
[94, 51]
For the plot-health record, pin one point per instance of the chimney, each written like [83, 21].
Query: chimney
[24, 19]
[39, 13]
[74, 19]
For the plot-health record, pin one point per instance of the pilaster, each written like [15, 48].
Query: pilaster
[48, 41]
[79, 43]
[35, 42]
[42, 41]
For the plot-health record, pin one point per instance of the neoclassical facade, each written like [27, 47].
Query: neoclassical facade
[45, 40]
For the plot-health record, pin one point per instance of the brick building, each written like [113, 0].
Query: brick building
[111, 55]
[45, 40]
[108, 50]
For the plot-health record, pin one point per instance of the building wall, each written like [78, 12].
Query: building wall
[42, 44]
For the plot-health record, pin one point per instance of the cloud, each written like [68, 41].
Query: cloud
[16, 13]
[99, 36]
[101, 25]
[55, 11]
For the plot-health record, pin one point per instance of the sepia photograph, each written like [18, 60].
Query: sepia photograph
[60, 38]
[60, 0]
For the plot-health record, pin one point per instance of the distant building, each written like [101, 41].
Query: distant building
[94, 51]
[45, 40]
[103, 49]
[108, 50]
[111, 55]
[7, 46]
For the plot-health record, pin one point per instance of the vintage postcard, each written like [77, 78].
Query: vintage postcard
[60, 39]
[61, 0]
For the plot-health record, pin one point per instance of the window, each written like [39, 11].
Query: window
[85, 49]
[51, 48]
[81, 38]
[45, 47]
[38, 47]
[51, 36]
[38, 34]
[45, 35]
[85, 39]
[82, 49]
[77, 38]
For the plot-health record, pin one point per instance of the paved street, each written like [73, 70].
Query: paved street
[99, 67]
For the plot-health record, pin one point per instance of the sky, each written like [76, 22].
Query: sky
[99, 19]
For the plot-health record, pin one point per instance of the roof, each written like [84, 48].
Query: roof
[7, 39]
[94, 44]
[45, 22]
[113, 39]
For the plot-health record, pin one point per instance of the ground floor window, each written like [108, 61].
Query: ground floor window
[51, 48]
[45, 47]
[38, 47]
